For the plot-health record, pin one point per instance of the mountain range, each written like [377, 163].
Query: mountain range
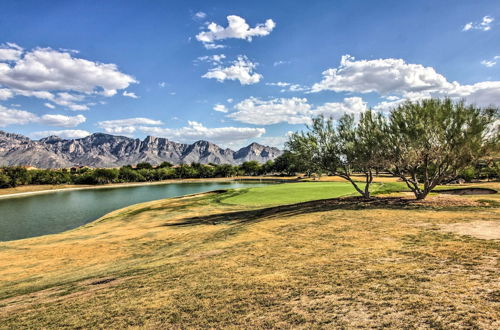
[105, 150]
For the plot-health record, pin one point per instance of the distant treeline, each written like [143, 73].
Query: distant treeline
[143, 172]
[286, 164]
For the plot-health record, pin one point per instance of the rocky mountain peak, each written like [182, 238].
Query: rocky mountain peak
[105, 150]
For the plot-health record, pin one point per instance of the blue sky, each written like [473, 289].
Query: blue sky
[159, 68]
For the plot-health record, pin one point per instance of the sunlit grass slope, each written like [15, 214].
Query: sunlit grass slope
[291, 193]
[201, 262]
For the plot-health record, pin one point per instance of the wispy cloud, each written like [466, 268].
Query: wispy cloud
[130, 94]
[220, 108]
[278, 63]
[484, 25]
[490, 63]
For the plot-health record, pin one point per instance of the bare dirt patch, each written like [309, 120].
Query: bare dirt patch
[478, 229]
[446, 201]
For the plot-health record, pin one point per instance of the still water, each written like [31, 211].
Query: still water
[36, 215]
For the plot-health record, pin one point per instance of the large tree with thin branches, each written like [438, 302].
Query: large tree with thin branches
[343, 148]
[430, 141]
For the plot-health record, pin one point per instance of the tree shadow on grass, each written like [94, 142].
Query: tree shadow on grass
[347, 203]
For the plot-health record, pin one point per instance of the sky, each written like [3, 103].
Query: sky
[234, 72]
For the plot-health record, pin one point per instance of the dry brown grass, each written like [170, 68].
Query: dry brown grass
[196, 262]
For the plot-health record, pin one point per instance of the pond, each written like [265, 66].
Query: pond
[55, 212]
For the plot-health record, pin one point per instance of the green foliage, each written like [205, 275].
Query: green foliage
[432, 141]
[164, 173]
[251, 168]
[342, 148]
[424, 143]
[105, 175]
[225, 171]
[165, 165]
[17, 176]
[289, 164]
[484, 169]
[184, 171]
[267, 168]
[127, 174]
[4, 180]
[468, 173]
[50, 177]
[14, 176]
[144, 165]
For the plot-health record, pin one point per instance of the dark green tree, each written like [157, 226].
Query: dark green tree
[165, 165]
[225, 171]
[18, 175]
[145, 165]
[127, 174]
[289, 164]
[250, 167]
[4, 180]
[104, 175]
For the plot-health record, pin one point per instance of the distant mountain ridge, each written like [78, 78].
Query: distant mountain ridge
[105, 150]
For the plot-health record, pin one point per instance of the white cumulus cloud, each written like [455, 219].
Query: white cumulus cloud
[382, 76]
[351, 105]
[5, 94]
[15, 117]
[10, 52]
[237, 28]
[46, 69]
[242, 70]
[266, 112]
[292, 110]
[57, 75]
[396, 78]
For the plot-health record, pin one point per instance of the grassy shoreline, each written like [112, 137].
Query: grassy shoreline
[42, 189]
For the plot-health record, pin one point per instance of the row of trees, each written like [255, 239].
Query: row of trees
[143, 172]
[424, 143]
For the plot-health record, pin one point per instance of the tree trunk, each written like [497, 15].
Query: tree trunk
[421, 195]
[365, 193]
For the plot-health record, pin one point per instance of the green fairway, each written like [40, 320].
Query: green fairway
[291, 193]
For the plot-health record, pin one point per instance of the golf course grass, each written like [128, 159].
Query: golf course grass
[291, 193]
[242, 259]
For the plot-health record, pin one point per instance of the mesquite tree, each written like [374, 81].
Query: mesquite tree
[343, 148]
[430, 141]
